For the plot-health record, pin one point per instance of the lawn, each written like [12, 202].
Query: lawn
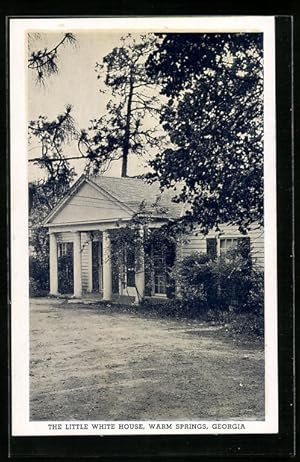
[91, 363]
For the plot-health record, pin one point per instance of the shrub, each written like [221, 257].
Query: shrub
[246, 324]
[251, 322]
[38, 276]
[225, 284]
[194, 280]
[175, 308]
[218, 316]
[65, 273]
[39, 261]
[255, 302]
[232, 281]
[222, 290]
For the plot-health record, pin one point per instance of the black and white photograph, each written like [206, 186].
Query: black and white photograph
[144, 195]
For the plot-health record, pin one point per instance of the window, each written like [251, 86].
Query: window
[211, 247]
[159, 259]
[160, 268]
[227, 244]
[220, 246]
[64, 249]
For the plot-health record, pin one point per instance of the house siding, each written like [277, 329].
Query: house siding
[196, 242]
[85, 261]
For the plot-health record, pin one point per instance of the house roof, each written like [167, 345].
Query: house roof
[130, 193]
[133, 192]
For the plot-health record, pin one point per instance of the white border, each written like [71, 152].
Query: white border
[19, 216]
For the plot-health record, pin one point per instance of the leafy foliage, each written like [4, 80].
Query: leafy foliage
[168, 308]
[65, 273]
[139, 239]
[45, 194]
[224, 283]
[246, 324]
[194, 280]
[39, 263]
[214, 118]
[255, 302]
[232, 281]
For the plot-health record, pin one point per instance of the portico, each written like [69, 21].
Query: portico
[82, 243]
[81, 247]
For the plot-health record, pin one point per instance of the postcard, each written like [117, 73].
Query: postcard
[143, 226]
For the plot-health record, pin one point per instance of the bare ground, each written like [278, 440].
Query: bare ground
[90, 364]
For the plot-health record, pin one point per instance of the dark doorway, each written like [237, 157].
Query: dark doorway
[159, 260]
[130, 267]
[115, 269]
[65, 267]
[96, 265]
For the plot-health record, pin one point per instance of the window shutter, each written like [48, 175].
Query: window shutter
[244, 246]
[130, 267]
[148, 275]
[211, 247]
[170, 260]
[170, 254]
[115, 268]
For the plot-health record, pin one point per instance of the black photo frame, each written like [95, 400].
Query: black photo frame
[281, 445]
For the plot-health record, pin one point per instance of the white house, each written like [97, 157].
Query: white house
[80, 234]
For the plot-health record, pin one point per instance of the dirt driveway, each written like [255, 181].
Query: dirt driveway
[90, 364]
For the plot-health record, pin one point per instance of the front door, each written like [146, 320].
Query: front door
[159, 261]
[123, 272]
[129, 270]
[97, 265]
[65, 267]
[159, 269]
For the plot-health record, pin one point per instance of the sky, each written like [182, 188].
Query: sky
[76, 84]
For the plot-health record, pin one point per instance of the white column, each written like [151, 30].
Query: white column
[107, 280]
[140, 270]
[100, 256]
[53, 264]
[77, 265]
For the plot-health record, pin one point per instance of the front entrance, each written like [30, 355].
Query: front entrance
[123, 272]
[65, 267]
[97, 283]
[128, 273]
[159, 261]
[159, 269]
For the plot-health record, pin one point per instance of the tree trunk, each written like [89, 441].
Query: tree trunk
[127, 128]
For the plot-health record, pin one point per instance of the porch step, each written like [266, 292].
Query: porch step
[84, 301]
[124, 299]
